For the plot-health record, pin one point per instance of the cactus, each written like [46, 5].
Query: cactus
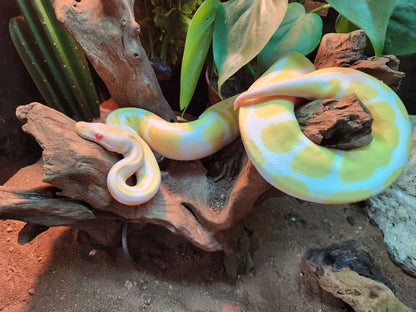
[54, 60]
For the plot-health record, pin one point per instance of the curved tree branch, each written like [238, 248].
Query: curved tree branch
[109, 35]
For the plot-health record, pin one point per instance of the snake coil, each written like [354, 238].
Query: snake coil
[264, 116]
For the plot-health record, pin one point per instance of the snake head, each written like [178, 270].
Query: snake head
[113, 138]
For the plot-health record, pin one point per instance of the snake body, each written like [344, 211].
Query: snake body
[297, 166]
[215, 128]
[137, 160]
[264, 115]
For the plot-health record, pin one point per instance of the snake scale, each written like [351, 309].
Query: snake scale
[264, 117]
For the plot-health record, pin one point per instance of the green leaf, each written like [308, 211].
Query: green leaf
[298, 32]
[401, 30]
[344, 26]
[242, 28]
[188, 6]
[198, 41]
[370, 15]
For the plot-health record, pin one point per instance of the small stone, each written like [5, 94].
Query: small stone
[9, 229]
[128, 284]
[31, 291]
[92, 252]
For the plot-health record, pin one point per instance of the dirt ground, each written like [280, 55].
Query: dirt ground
[55, 272]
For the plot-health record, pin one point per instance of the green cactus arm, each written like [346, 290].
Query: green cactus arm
[27, 9]
[71, 56]
[85, 80]
[29, 52]
[66, 60]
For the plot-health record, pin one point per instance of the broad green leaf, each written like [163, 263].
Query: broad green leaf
[401, 30]
[298, 32]
[344, 26]
[370, 15]
[198, 41]
[242, 28]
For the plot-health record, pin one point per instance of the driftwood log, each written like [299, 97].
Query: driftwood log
[350, 275]
[337, 50]
[201, 200]
[109, 35]
[75, 172]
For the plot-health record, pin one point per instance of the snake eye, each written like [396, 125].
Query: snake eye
[99, 136]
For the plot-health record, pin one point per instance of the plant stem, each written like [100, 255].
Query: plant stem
[164, 50]
[323, 7]
[251, 70]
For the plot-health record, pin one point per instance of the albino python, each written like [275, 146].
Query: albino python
[270, 134]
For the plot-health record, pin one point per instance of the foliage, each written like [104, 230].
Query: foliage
[54, 60]
[260, 31]
[198, 41]
[168, 22]
[299, 31]
[401, 29]
[371, 16]
[400, 36]
[240, 30]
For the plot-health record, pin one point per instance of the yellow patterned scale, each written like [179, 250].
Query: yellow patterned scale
[295, 165]
[130, 131]
[215, 128]
[138, 160]
[271, 136]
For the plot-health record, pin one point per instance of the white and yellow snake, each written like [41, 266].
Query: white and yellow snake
[271, 136]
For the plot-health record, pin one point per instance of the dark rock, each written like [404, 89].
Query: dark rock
[347, 274]
[344, 254]
[348, 50]
[343, 124]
